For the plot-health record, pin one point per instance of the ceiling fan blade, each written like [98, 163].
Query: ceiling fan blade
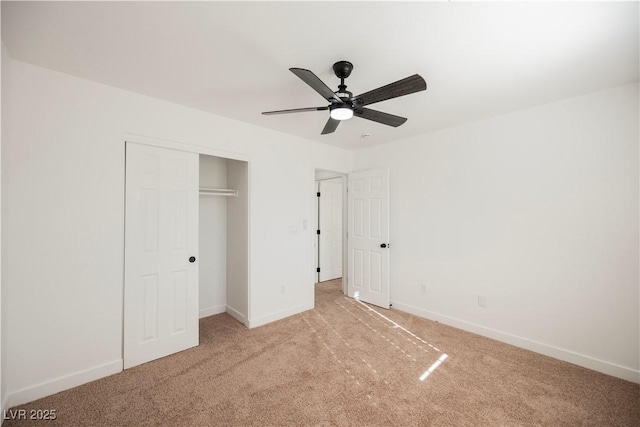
[402, 87]
[379, 116]
[316, 84]
[331, 126]
[295, 110]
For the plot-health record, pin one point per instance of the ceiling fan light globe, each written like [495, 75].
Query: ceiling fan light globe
[341, 113]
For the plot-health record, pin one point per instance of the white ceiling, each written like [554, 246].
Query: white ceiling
[232, 58]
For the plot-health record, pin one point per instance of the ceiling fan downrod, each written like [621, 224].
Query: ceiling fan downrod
[342, 70]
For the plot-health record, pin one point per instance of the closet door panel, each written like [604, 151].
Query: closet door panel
[161, 235]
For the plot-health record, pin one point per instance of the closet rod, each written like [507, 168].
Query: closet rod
[217, 192]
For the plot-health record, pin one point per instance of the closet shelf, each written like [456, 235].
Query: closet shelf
[205, 191]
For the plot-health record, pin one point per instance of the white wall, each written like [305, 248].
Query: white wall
[283, 237]
[538, 212]
[5, 96]
[64, 219]
[238, 214]
[212, 256]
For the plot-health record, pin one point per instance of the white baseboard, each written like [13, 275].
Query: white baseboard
[47, 388]
[253, 323]
[535, 346]
[236, 315]
[211, 311]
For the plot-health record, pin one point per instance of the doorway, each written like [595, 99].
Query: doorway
[365, 234]
[331, 233]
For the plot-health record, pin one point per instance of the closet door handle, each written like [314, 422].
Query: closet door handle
[192, 259]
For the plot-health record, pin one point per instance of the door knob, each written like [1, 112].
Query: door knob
[383, 245]
[192, 259]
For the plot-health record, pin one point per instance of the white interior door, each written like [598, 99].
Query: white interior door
[330, 226]
[368, 237]
[161, 234]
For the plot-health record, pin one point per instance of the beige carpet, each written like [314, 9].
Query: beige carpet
[344, 364]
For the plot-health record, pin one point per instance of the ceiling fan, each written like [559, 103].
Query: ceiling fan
[343, 105]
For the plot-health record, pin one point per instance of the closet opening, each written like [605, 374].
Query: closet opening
[223, 237]
[186, 246]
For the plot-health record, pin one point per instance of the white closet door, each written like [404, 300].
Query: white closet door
[368, 242]
[330, 222]
[161, 237]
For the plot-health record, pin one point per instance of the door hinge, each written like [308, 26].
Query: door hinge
[317, 231]
[318, 194]
[318, 270]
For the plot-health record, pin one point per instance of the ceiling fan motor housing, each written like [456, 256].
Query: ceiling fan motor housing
[342, 69]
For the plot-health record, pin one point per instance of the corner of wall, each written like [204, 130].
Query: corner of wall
[4, 95]
[237, 315]
[254, 323]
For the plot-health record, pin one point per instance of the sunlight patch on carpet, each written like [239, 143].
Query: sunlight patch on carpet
[346, 343]
[396, 326]
[434, 366]
[329, 349]
[409, 355]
